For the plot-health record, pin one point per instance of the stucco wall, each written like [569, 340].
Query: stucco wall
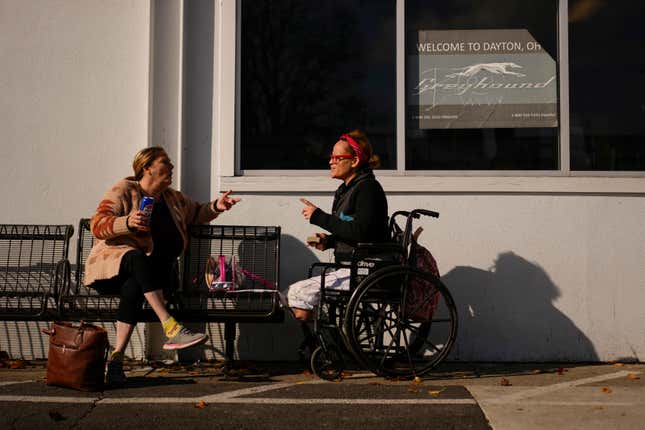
[74, 105]
[536, 276]
[73, 110]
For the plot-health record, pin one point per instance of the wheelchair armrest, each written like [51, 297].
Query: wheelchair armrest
[367, 250]
[326, 267]
[384, 246]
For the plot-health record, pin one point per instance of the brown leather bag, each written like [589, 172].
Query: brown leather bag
[77, 355]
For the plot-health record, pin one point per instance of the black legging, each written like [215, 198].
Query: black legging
[138, 274]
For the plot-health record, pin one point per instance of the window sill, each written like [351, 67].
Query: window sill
[633, 185]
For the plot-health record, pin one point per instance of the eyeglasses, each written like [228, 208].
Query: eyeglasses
[336, 158]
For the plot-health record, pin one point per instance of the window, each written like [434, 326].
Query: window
[481, 85]
[441, 87]
[310, 71]
[607, 85]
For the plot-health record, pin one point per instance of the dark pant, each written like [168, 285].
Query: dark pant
[138, 274]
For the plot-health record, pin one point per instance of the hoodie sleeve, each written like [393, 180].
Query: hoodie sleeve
[110, 218]
[361, 224]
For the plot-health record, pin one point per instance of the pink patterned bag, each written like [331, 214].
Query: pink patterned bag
[422, 296]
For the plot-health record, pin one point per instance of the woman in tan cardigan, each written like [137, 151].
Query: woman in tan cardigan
[134, 255]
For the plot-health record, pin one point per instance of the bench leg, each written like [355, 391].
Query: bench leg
[229, 337]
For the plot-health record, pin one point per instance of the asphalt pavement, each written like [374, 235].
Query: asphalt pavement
[280, 395]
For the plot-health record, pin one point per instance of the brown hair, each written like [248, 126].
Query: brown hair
[144, 158]
[373, 160]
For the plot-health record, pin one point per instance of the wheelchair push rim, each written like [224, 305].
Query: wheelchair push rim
[393, 331]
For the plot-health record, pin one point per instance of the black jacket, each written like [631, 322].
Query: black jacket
[359, 214]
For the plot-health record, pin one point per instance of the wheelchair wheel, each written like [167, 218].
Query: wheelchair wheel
[328, 365]
[400, 322]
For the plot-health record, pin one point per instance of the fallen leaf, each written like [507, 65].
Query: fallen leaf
[343, 373]
[536, 371]
[200, 405]
[411, 390]
[435, 392]
[606, 390]
[416, 380]
[619, 364]
[17, 364]
[633, 376]
[505, 382]
[56, 416]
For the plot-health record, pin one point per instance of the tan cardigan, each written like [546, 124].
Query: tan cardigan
[108, 225]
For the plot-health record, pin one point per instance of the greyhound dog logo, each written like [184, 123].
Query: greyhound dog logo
[495, 68]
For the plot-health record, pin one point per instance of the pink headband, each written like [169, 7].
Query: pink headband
[362, 157]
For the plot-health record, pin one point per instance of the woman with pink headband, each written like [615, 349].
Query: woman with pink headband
[359, 214]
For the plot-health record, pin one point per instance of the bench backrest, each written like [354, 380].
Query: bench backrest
[83, 248]
[255, 248]
[33, 264]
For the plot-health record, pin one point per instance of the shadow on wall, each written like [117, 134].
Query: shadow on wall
[279, 341]
[507, 314]
[24, 339]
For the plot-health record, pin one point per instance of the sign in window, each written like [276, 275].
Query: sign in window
[480, 79]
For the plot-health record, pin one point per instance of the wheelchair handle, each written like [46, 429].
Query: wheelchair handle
[415, 213]
[424, 212]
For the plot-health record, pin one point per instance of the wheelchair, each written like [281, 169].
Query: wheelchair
[396, 320]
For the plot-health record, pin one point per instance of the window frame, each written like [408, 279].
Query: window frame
[226, 131]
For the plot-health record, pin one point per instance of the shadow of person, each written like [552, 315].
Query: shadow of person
[278, 341]
[508, 313]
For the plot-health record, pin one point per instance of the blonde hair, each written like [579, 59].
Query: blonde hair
[144, 158]
[373, 160]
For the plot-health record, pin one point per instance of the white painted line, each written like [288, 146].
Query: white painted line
[151, 400]
[259, 400]
[510, 398]
[359, 375]
[48, 399]
[249, 391]
[212, 398]
[300, 401]
[234, 397]
[15, 382]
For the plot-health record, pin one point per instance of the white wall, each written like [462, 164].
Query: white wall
[74, 85]
[74, 105]
[535, 277]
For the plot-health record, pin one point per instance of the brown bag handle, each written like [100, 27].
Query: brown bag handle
[52, 330]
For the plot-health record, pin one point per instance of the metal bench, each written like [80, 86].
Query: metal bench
[33, 268]
[256, 248]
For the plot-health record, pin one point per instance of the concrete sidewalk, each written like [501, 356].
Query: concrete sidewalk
[275, 395]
